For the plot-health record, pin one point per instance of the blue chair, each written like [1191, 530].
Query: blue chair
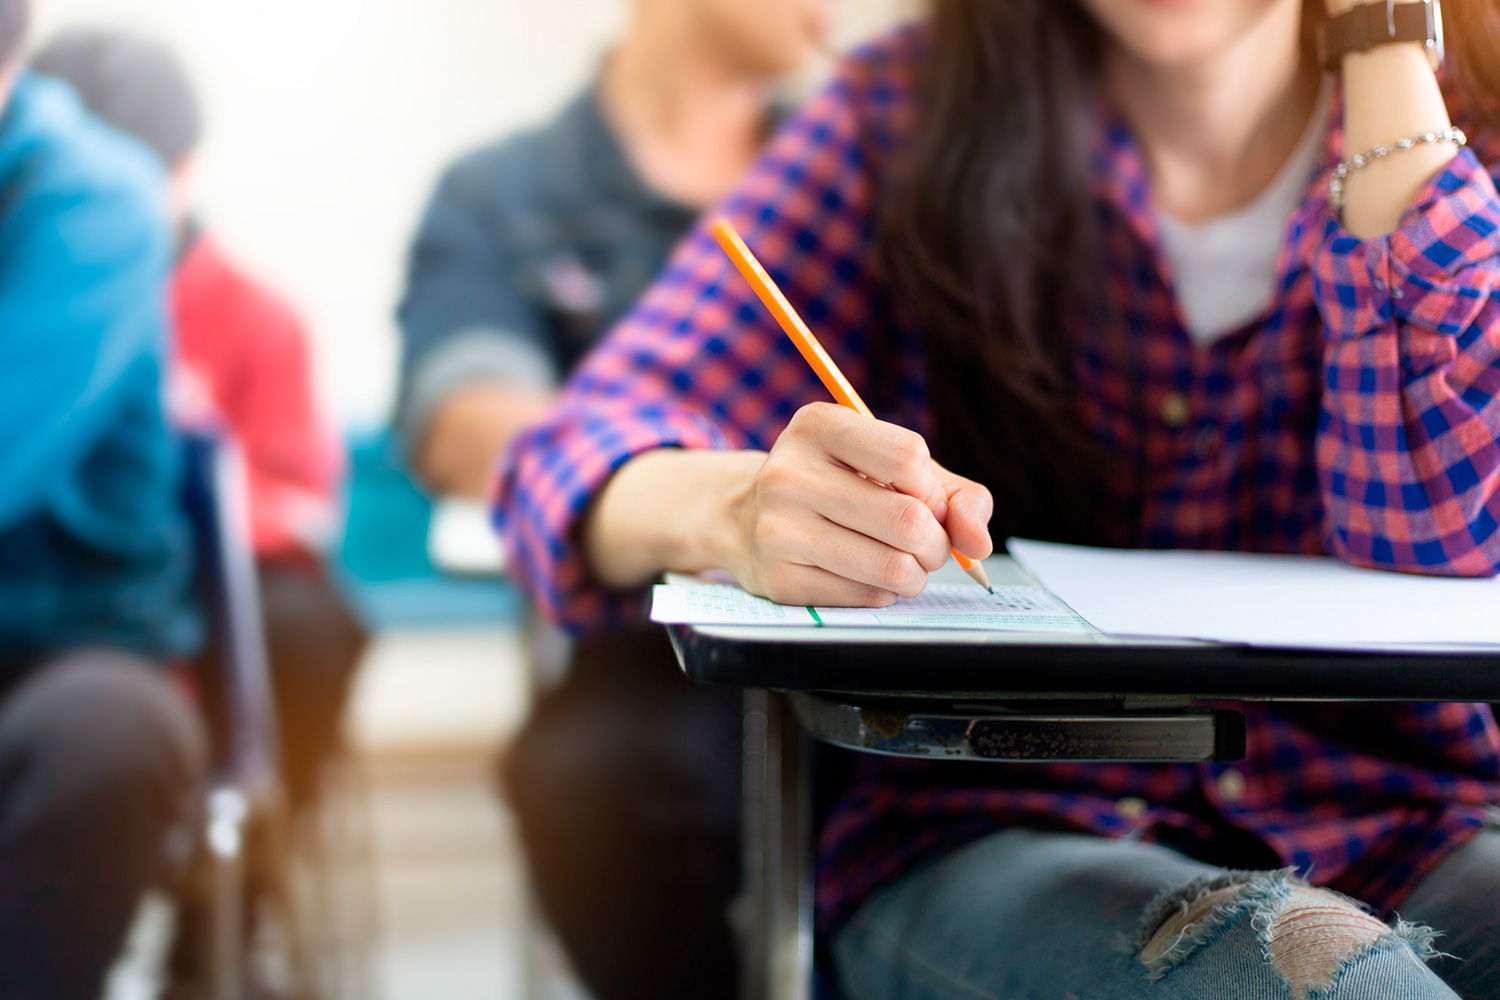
[383, 565]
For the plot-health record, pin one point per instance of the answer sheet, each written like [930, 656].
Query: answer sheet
[687, 600]
[1265, 600]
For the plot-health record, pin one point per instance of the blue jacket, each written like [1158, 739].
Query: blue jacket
[93, 549]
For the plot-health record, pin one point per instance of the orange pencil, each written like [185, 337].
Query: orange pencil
[807, 344]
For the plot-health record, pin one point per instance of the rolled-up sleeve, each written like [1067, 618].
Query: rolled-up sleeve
[1409, 435]
[464, 317]
[699, 363]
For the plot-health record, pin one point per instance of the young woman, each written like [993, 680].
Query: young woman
[1089, 251]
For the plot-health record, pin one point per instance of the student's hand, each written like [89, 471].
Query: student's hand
[814, 530]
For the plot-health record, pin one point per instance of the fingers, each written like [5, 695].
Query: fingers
[792, 488]
[970, 507]
[811, 586]
[886, 453]
[845, 553]
[821, 534]
[895, 521]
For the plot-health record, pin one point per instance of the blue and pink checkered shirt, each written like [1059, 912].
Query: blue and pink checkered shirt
[1358, 415]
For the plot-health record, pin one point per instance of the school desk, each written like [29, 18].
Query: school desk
[994, 696]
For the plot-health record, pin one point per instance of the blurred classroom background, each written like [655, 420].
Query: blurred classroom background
[328, 123]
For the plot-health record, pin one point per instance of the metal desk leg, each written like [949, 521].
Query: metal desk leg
[778, 851]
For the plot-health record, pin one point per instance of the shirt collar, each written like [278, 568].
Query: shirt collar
[1117, 169]
[609, 166]
[1122, 185]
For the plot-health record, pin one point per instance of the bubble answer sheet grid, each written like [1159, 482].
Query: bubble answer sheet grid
[687, 600]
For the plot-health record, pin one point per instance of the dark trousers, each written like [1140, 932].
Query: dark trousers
[313, 646]
[98, 755]
[626, 785]
[314, 643]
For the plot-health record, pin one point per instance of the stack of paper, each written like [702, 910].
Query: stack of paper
[1265, 600]
[1246, 599]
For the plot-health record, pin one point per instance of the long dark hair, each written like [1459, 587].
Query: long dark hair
[986, 239]
[1472, 30]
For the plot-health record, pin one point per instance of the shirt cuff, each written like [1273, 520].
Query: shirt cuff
[1434, 271]
[480, 354]
[550, 478]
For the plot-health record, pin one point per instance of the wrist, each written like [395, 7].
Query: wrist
[1370, 65]
[716, 534]
[1352, 27]
[669, 509]
[1337, 7]
[1390, 93]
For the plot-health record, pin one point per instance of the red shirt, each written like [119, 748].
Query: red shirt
[247, 351]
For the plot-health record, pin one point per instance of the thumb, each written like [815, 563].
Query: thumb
[966, 518]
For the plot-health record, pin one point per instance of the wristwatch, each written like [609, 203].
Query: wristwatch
[1367, 25]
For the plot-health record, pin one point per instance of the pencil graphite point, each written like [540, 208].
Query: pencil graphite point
[975, 569]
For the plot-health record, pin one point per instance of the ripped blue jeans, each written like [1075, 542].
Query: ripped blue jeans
[1022, 914]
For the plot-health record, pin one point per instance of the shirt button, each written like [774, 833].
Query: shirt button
[1174, 410]
[1231, 785]
[1130, 807]
[1206, 442]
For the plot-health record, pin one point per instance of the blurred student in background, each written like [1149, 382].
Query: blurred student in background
[240, 345]
[626, 778]
[98, 751]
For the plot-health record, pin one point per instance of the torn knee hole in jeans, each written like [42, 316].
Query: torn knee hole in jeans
[1309, 936]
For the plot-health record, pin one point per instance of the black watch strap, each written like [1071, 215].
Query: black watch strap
[1382, 23]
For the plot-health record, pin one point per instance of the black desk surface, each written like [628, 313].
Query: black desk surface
[722, 656]
[1067, 667]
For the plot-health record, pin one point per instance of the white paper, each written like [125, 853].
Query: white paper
[462, 540]
[689, 601]
[1265, 600]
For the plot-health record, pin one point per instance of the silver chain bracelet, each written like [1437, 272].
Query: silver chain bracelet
[1343, 170]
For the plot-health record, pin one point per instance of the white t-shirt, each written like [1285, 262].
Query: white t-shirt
[1224, 269]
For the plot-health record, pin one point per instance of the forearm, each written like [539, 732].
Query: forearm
[1390, 93]
[669, 509]
[1409, 447]
[467, 433]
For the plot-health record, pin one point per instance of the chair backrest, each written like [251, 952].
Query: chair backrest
[383, 564]
[214, 496]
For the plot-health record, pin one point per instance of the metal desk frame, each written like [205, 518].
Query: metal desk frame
[1011, 700]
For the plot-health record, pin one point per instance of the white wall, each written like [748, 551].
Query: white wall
[330, 119]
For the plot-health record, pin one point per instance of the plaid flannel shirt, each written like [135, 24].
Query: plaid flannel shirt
[1358, 415]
